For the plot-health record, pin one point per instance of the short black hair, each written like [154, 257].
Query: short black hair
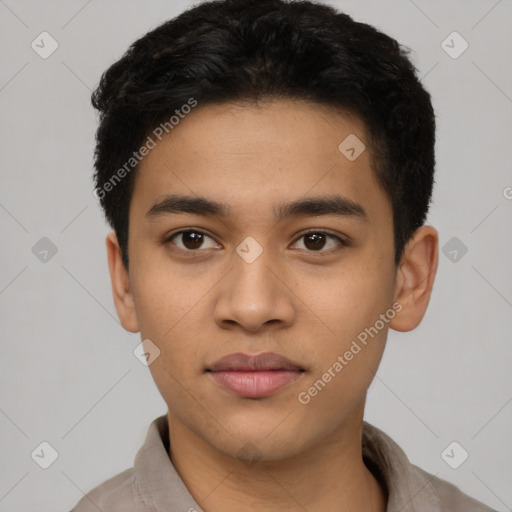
[251, 50]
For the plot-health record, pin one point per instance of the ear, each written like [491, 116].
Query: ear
[123, 298]
[415, 278]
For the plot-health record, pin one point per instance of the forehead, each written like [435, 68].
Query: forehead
[256, 157]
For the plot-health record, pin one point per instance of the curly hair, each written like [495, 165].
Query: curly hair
[248, 50]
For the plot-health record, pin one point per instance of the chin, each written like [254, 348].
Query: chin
[266, 438]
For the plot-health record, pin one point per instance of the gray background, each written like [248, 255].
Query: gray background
[68, 373]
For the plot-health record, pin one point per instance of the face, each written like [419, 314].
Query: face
[257, 277]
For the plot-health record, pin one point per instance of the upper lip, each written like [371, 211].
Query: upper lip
[261, 362]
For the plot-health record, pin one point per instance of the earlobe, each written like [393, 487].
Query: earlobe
[415, 278]
[122, 294]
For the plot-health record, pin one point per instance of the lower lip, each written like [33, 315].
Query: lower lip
[255, 384]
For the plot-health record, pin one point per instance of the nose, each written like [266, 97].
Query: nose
[254, 295]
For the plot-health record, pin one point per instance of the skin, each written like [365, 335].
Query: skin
[305, 304]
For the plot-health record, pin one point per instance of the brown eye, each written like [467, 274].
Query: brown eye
[190, 240]
[315, 241]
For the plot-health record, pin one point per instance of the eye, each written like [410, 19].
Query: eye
[315, 241]
[190, 240]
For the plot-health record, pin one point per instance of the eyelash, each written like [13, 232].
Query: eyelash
[342, 241]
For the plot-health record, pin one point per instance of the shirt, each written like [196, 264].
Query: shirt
[153, 484]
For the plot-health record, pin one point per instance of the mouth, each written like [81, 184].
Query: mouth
[257, 376]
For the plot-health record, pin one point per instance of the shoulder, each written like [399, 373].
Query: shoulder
[451, 498]
[117, 494]
[409, 487]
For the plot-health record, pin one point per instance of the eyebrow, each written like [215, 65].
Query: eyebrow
[333, 204]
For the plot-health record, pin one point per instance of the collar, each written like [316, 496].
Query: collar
[408, 488]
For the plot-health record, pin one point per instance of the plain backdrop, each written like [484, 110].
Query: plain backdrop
[68, 373]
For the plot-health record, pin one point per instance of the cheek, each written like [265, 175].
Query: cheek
[352, 333]
[347, 360]
[164, 295]
[170, 306]
[348, 299]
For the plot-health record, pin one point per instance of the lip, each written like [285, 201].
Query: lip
[254, 376]
[265, 361]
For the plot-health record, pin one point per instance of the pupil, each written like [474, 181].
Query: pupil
[192, 240]
[318, 241]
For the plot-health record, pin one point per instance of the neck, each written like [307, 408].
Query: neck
[330, 477]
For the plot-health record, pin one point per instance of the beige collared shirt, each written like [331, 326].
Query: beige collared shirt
[153, 485]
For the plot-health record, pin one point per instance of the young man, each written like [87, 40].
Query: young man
[267, 168]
